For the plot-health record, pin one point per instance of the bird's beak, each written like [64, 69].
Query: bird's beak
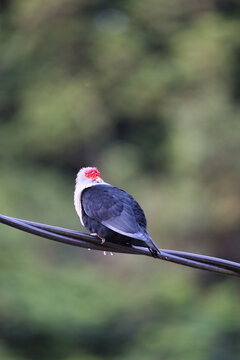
[98, 179]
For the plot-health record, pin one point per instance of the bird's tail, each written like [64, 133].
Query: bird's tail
[152, 246]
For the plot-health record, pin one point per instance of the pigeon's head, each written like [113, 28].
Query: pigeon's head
[88, 176]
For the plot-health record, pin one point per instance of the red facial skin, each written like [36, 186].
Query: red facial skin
[92, 173]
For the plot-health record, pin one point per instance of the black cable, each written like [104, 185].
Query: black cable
[75, 238]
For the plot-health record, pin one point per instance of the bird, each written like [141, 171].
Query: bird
[109, 212]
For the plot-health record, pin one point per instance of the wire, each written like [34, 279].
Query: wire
[75, 238]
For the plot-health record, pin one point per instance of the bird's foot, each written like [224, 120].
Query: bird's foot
[102, 239]
[105, 253]
[94, 234]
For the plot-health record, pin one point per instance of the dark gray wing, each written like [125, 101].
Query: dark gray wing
[115, 209]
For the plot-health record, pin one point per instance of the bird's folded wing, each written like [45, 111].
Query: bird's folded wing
[112, 207]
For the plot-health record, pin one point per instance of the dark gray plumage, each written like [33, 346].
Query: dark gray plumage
[115, 215]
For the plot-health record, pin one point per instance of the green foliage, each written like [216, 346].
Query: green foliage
[149, 92]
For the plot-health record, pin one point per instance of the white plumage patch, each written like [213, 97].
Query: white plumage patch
[82, 183]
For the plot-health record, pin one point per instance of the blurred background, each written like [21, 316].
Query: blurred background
[147, 91]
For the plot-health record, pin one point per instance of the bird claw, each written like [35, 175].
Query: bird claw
[102, 240]
[94, 234]
[105, 253]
